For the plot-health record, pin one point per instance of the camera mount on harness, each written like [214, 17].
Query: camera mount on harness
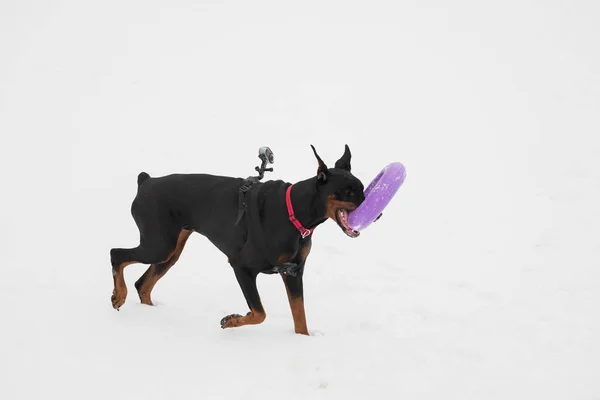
[267, 157]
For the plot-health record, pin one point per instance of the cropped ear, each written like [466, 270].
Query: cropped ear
[322, 170]
[344, 162]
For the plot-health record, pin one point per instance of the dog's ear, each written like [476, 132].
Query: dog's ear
[344, 162]
[322, 171]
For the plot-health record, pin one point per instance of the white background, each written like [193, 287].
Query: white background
[481, 280]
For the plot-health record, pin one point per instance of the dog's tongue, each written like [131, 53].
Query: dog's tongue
[344, 220]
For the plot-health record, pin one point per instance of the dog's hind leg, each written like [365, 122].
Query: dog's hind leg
[150, 251]
[158, 241]
[119, 293]
[146, 283]
[247, 280]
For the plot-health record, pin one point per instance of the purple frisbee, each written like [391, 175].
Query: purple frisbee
[377, 196]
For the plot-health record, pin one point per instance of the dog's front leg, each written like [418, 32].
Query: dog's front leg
[294, 288]
[247, 280]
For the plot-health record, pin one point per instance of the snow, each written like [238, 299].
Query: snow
[480, 281]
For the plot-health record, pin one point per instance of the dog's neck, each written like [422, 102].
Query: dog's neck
[308, 203]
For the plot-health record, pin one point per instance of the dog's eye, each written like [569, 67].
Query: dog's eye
[348, 192]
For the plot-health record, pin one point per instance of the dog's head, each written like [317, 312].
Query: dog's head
[340, 191]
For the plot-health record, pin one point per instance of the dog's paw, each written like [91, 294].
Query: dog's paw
[117, 300]
[229, 321]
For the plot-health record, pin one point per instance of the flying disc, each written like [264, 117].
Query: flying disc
[377, 196]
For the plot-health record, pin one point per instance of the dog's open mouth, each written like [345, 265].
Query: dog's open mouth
[341, 216]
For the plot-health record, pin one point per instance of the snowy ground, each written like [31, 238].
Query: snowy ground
[481, 281]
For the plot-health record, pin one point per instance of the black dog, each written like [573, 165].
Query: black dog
[274, 235]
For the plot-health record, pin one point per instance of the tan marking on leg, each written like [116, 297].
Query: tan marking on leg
[146, 288]
[120, 288]
[298, 313]
[252, 318]
[157, 271]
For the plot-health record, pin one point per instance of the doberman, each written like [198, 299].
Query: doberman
[274, 235]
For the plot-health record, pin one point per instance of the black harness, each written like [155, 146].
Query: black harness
[242, 205]
[248, 199]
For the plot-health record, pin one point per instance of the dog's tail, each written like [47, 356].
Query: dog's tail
[142, 177]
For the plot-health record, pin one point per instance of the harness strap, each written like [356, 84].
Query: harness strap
[255, 229]
[242, 205]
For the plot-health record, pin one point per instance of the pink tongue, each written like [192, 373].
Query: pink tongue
[344, 220]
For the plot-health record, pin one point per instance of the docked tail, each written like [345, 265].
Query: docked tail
[142, 177]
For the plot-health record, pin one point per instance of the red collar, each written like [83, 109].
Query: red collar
[288, 200]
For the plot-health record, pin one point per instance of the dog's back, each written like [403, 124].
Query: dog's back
[199, 202]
